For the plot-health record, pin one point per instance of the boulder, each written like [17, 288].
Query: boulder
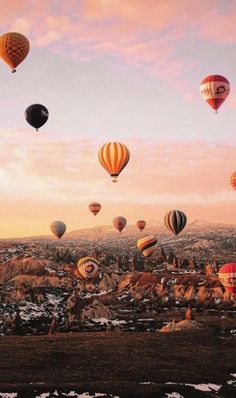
[97, 310]
[182, 325]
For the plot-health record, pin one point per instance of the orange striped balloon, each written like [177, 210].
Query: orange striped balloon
[233, 180]
[147, 245]
[114, 156]
[95, 207]
[14, 48]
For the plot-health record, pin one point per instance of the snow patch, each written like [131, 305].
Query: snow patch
[8, 394]
[205, 387]
[201, 387]
[232, 382]
[104, 321]
[173, 395]
[71, 394]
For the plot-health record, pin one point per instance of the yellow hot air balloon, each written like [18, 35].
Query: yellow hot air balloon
[14, 48]
[88, 267]
[114, 156]
[147, 245]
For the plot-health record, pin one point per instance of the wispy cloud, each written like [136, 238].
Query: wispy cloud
[149, 35]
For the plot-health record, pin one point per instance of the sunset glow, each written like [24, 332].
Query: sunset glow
[109, 70]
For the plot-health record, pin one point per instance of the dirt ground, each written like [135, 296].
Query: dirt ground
[120, 363]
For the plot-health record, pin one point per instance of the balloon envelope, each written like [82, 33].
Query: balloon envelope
[215, 89]
[58, 228]
[36, 115]
[88, 267]
[175, 221]
[119, 223]
[14, 48]
[95, 207]
[147, 245]
[141, 224]
[233, 180]
[114, 156]
[227, 276]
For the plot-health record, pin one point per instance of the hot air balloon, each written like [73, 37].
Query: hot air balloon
[58, 228]
[227, 276]
[147, 245]
[36, 115]
[175, 221]
[215, 89]
[114, 156]
[233, 180]
[119, 223]
[141, 224]
[95, 207]
[14, 48]
[88, 267]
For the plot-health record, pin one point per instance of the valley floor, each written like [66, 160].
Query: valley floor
[122, 364]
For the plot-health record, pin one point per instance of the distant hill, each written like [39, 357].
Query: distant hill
[108, 231]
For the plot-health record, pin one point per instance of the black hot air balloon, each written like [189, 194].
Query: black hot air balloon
[175, 221]
[36, 115]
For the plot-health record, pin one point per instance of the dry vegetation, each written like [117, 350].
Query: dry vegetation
[117, 363]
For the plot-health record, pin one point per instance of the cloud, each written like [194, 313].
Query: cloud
[146, 35]
[67, 168]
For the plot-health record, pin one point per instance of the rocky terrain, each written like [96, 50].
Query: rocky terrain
[42, 295]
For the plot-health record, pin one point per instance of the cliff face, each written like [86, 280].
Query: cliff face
[202, 290]
[39, 289]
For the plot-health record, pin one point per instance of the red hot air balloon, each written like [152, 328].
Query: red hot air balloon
[119, 223]
[215, 89]
[233, 180]
[95, 207]
[227, 276]
[141, 224]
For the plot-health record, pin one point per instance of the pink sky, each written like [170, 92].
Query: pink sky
[126, 71]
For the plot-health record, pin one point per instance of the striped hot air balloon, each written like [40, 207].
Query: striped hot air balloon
[14, 48]
[233, 180]
[175, 221]
[119, 223]
[95, 207]
[141, 224]
[88, 267]
[114, 156]
[58, 228]
[215, 89]
[147, 245]
[227, 276]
